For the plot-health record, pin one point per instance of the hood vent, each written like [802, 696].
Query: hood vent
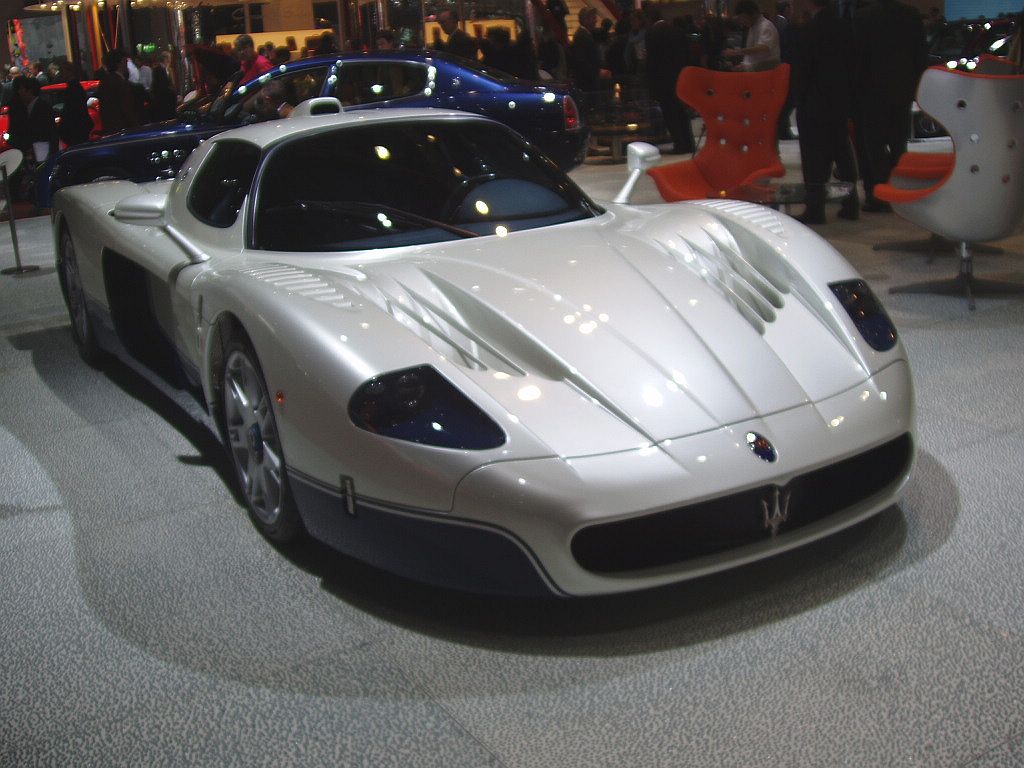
[303, 283]
[445, 331]
[719, 262]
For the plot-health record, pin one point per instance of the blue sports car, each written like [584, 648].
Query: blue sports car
[544, 113]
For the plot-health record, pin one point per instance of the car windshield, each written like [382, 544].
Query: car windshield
[210, 104]
[198, 109]
[385, 185]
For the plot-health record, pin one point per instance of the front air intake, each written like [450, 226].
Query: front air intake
[685, 533]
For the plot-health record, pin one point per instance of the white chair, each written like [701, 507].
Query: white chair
[981, 197]
[923, 169]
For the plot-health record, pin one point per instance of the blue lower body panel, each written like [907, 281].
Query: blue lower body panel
[423, 546]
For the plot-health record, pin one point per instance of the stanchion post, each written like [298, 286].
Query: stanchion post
[12, 158]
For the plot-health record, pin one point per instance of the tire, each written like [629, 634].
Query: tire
[254, 444]
[82, 330]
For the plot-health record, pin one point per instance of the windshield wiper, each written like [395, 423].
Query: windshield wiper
[372, 209]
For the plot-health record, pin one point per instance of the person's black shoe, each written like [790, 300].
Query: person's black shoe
[811, 218]
[850, 212]
[874, 205]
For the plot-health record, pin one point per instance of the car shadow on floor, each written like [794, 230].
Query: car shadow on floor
[182, 409]
[684, 614]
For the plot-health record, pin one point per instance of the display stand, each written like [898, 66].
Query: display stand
[9, 162]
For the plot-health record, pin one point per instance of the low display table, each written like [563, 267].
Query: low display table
[785, 194]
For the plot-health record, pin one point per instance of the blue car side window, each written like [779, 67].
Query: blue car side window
[266, 102]
[370, 82]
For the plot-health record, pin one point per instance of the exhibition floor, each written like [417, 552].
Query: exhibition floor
[144, 620]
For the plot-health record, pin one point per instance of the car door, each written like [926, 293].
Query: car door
[203, 217]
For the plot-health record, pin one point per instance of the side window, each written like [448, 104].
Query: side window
[265, 103]
[370, 82]
[222, 182]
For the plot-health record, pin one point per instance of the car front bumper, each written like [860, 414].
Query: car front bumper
[645, 517]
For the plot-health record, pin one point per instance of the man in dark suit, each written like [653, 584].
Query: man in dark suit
[40, 122]
[667, 53]
[584, 55]
[75, 121]
[117, 103]
[889, 55]
[459, 43]
[822, 90]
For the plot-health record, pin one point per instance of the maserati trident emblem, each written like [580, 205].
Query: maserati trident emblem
[775, 506]
[761, 447]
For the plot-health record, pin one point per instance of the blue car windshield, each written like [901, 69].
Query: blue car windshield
[390, 184]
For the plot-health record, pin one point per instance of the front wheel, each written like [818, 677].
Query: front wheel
[74, 297]
[254, 444]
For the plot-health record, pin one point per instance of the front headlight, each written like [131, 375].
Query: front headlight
[867, 313]
[421, 406]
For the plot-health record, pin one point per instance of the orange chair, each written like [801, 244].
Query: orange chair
[981, 196]
[741, 113]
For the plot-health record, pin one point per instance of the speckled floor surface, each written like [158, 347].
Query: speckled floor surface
[144, 622]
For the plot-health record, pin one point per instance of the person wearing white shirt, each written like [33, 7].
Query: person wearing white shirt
[145, 75]
[133, 71]
[761, 50]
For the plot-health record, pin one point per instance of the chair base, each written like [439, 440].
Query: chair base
[965, 283]
[931, 245]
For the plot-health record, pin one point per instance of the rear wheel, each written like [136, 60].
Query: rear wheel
[254, 444]
[74, 297]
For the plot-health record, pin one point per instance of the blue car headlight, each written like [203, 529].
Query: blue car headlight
[421, 406]
[867, 313]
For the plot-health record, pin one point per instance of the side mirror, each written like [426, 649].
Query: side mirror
[145, 209]
[640, 156]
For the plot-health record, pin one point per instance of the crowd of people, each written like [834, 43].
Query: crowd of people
[130, 92]
[855, 67]
[853, 64]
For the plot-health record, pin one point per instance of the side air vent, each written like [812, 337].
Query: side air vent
[302, 283]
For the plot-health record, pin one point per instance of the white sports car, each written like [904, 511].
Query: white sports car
[425, 346]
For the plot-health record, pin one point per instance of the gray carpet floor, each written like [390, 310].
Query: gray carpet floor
[144, 621]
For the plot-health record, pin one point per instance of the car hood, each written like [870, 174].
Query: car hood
[629, 329]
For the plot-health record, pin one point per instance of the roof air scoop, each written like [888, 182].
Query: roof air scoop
[321, 105]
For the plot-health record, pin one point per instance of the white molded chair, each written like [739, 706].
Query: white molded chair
[981, 197]
[922, 169]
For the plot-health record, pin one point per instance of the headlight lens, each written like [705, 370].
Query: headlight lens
[867, 313]
[421, 406]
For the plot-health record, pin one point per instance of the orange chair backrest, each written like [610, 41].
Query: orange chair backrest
[741, 112]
